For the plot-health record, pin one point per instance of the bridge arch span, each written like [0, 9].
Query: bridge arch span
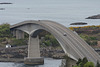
[72, 44]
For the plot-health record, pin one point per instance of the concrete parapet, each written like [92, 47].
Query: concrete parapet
[34, 61]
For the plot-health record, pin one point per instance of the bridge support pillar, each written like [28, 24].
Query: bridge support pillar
[19, 34]
[33, 52]
[14, 33]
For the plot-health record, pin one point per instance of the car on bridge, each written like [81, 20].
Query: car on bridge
[64, 34]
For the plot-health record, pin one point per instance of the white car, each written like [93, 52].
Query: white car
[64, 34]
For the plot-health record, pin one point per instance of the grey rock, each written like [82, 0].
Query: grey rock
[94, 17]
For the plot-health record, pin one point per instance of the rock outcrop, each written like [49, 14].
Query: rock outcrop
[78, 23]
[5, 3]
[21, 52]
[94, 17]
[2, 8]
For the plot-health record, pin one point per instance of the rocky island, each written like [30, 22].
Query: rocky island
[78, 23]
[2, 8]
[5, 3]
[94, 17]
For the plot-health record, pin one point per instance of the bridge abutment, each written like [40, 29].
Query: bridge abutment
[33, 52]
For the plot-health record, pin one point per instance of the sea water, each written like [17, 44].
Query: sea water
[61, 11]
[48, 62]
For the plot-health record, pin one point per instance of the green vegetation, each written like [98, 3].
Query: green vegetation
[6, 37]
[18, 42]
[81, 63]
[89, 33]
[85, 27]
[85, 63]
[5, 30]
[89, 64]
[49, 40]
[91, 40]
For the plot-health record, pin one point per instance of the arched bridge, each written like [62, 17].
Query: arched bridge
[74, 46]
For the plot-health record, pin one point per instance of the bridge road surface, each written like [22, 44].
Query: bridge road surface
[84, 50]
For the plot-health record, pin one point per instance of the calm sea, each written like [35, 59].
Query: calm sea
[48, 62]
[61, 11]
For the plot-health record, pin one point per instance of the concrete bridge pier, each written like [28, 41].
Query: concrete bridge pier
[13, 32]
[33, 52]
[19, 34]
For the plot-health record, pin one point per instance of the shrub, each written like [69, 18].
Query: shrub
[79, 61]
[19, 42]
[89, 64]
[49, 40]
[5, 30]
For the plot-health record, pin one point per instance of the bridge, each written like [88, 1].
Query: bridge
[73, 46]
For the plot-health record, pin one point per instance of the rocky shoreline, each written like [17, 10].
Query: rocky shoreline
[18, 60]
[17, 54]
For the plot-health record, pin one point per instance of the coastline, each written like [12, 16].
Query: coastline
[17, 54]
[18, 60]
